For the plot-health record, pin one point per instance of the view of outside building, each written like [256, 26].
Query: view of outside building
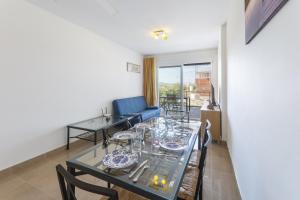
[196, 83]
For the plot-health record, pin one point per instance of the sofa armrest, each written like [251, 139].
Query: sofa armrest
[152, 107]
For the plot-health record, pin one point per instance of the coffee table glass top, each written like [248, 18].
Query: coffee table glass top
[99, 123]
[166, 169]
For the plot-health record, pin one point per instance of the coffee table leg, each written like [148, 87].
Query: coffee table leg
[104, 137]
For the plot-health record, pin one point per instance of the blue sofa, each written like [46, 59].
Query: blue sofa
[134, 105]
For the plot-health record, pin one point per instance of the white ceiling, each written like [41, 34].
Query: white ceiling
[192, 24]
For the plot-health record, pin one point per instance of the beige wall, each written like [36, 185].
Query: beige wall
[222, 77]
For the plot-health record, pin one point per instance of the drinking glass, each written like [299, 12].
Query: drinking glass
[155, 135]
[136, 143]
[140, 131]
[138, 139]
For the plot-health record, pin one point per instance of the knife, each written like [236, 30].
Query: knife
[161, 154]
[137, 169]
[136, 178]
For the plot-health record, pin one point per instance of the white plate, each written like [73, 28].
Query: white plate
[123, 135]
[119, 159]
[184, 129]
[142, 125]
[172, 145]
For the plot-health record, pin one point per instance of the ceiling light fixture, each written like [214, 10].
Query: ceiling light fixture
[160, 34]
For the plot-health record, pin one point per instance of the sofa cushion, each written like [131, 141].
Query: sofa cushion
[147, 114]
[129, 105]
[133, 106]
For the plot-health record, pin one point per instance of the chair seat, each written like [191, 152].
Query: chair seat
[125, 194]
[195, 158]
[188, 187]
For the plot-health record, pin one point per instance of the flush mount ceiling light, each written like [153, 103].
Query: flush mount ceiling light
[160, 34]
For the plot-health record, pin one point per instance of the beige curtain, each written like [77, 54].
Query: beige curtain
[150, 81]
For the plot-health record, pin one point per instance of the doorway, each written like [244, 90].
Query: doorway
[184, 87]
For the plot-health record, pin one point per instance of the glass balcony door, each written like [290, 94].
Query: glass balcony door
[184, 87]
[170, 87]
[196, 86]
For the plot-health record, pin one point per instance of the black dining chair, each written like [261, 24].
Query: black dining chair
[204, 137]
[192, 184]
[201, 137]
[172, 102]
[195, 157]
[67, 182]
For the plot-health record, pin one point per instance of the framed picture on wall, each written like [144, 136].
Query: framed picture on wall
[133, 68]
[258, 13]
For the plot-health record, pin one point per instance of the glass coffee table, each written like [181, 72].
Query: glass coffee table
[97, 125]
[165, 172]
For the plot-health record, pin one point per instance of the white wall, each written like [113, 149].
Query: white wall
[222, 77]
[263, 105]
[197, 56]
[53, 73]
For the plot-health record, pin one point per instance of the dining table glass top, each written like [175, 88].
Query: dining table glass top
[165, 168]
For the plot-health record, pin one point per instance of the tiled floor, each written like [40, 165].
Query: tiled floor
[36, 180]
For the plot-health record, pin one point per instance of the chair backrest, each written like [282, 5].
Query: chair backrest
[206, 128]
[67, 183]
[171, 97]
[207, 140]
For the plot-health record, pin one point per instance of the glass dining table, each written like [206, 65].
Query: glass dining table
[165, 169]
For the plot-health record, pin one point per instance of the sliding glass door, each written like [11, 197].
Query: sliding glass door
[170, 87]
[190, 83]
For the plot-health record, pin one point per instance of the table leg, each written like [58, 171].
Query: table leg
[186, 104]
[95, 137]
[68, 139]
[104, 137]
[71, 170]
[199, 140]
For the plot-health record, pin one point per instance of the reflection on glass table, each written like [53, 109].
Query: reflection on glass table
[163, 147]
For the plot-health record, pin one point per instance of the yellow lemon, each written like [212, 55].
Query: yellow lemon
[163, 181]
[155, 178]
